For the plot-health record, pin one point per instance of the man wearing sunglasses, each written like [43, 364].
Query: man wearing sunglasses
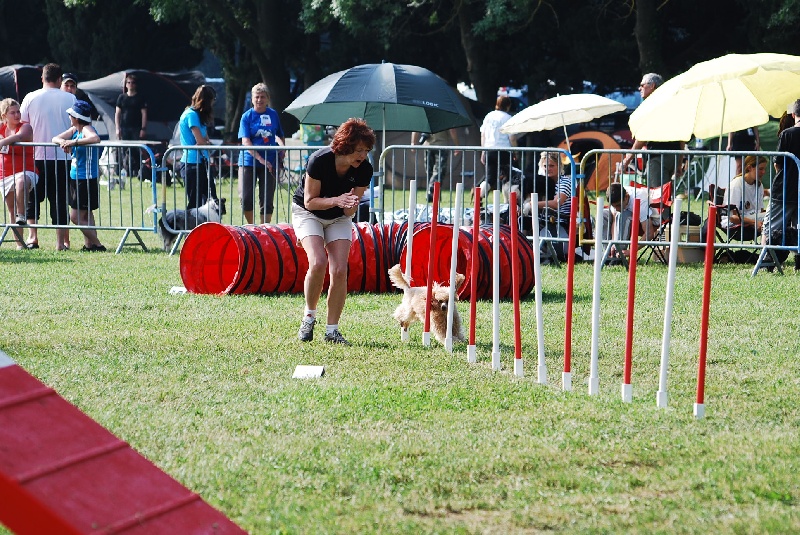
[659, 168]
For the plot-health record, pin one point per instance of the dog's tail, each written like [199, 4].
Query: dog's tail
[397, 277]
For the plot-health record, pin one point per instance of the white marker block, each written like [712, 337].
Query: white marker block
[472, 354]
[426, 339]
[566, 381]
[405, 336]
[302, 371]
[518, 369]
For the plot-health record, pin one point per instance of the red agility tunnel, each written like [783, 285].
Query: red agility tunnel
[443, 251]
[265, 259]
[223, 259]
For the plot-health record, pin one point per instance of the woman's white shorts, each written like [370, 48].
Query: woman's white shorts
[307, 224]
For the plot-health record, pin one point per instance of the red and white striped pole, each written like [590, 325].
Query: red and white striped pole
[426, 333]
[699, 406]
[515, 267]
[566, 376]
[472, 355]
[627, 389]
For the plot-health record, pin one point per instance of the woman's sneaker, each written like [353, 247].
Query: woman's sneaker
[336, 338]
[306, 332]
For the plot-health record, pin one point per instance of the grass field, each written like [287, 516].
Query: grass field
[398, 438]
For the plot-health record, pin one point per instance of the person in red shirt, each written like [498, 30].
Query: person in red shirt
[17, 167]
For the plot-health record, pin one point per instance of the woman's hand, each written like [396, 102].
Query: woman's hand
[346, 200]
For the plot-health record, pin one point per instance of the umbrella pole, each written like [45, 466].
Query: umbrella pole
[566, 136]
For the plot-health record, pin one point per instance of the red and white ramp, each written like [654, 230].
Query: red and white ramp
[61, 472]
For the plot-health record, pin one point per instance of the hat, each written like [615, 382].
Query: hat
[69, 76]
[81, 110]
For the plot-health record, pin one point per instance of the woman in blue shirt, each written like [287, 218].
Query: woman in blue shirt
[260, 127]
[193, 125]
[84, 190]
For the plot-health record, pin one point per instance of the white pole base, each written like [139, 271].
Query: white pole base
[627, 393]
[518, 371]
[496, 361]
[699, 411]
[405, 336]
[472, 354]
[448, 345]
[566, 381]
[661, 399]
[594, 386]
[426, 339]
[541, 374]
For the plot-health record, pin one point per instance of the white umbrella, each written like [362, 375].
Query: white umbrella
[561, 111]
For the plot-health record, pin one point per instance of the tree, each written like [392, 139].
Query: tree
[114, 34]
[22, 43]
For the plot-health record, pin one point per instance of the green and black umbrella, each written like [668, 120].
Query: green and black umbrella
[388, 96]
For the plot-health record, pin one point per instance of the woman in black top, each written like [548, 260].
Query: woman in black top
[322, 214]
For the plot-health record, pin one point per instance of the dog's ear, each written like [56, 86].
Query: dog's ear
[222, 210]
[459, 280]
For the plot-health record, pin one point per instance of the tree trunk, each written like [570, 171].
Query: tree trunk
[475, 48]
[648, 36]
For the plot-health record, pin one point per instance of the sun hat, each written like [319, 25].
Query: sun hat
[69, 76]
[81, 110]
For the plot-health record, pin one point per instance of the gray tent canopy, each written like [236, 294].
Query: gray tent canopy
[16, 81]
[167, 95]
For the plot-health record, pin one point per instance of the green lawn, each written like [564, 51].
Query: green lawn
[399, 438]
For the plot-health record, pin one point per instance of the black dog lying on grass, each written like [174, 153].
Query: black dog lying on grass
[212, 210]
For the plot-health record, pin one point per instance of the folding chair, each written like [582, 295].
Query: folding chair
[660, 208]
[726, 232]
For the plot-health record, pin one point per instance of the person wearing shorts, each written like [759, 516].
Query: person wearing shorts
[84, 191]
[17, 168]
[322, 215]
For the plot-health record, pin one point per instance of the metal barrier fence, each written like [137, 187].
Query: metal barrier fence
[704, 178]
[131, 203]
[123, 199]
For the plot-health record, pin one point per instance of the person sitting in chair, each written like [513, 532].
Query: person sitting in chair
[745, 200]
[554, 206]
[621, 199]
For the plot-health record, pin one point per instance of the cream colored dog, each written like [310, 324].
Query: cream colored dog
[412, 308]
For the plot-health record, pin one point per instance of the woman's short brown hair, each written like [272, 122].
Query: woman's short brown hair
[350, 134]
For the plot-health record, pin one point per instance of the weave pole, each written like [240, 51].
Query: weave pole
[426, 333]
[627, 389]
[541, 372]
[594, 374]
[661, 395]
[412, 217]
[472, 354]
[451, 300]
[515, 267]
[699, 406]
[496, 282]
[566, 375]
